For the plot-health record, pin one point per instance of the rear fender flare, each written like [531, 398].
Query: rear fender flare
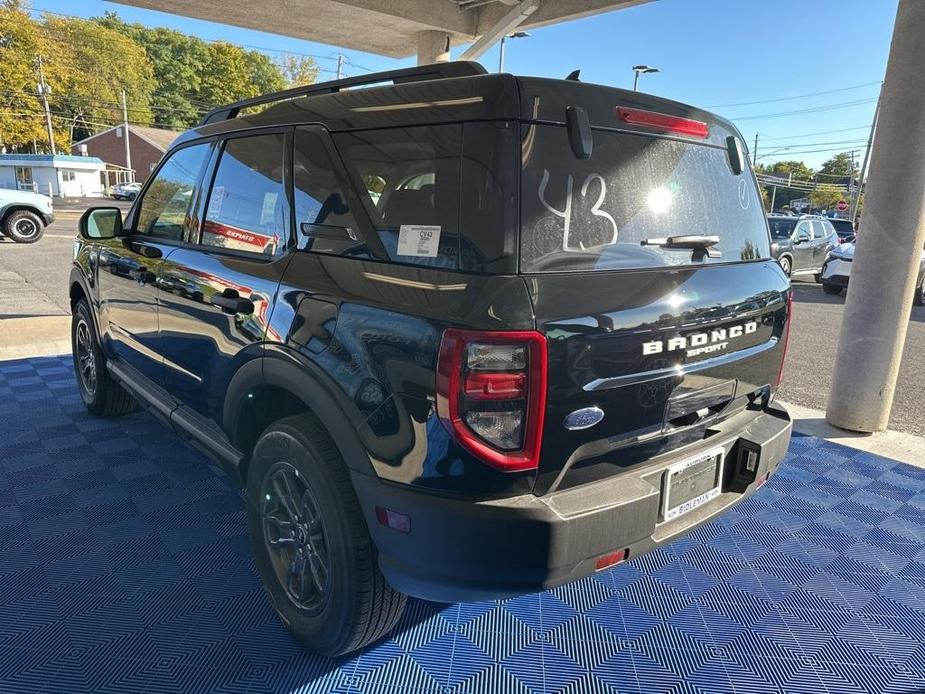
[292, 371]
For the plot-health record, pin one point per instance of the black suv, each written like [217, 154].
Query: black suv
[801, 244]
[461, 336]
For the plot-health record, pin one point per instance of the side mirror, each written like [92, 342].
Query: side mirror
[801, 237]
[101, 223]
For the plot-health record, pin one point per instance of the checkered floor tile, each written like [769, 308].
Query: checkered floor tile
[124, 567]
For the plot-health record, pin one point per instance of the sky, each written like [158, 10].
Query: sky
[716, 54]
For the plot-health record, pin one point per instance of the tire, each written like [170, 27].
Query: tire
[818, 278]
[23, 226]
[342, 601]
[785, 264]
[100, 393]
[919, 297]
[832, 289]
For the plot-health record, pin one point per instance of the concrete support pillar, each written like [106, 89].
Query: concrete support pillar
[433, 47]
[892, 233]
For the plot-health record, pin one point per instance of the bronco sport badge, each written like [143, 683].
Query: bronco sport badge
[714, 340]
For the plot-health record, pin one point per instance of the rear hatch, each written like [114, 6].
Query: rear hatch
[664, 342]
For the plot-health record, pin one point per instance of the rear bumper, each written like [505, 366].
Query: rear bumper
[48, 217]
[836, 271]
[461, 550]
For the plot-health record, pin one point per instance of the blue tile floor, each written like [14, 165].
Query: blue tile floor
[124, 567]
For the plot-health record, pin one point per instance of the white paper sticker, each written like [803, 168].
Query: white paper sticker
[418, 240]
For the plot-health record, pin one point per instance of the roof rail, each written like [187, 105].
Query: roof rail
[459, 68]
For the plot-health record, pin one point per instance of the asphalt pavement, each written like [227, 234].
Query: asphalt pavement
[33, 282]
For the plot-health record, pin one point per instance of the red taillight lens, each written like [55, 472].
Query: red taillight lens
[786, 337]
[664, 122]
[491, 394]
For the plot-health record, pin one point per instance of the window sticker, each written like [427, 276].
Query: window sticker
[418, 240]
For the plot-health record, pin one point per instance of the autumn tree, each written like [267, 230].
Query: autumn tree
[91, 66]
[21, 118]
[298, 70]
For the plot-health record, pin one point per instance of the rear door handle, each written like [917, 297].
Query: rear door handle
[232, 303]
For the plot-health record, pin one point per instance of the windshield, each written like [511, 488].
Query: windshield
[594, 214]
[781, 228]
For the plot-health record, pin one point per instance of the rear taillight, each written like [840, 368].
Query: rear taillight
[491, 394]
[786, 337]
[663, 122]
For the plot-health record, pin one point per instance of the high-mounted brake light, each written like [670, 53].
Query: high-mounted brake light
[491, 394]
[662, 121]
[786, 337]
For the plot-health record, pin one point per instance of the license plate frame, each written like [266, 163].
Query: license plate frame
[669, 512]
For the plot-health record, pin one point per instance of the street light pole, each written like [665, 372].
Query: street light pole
[515, 35]
[642, 70]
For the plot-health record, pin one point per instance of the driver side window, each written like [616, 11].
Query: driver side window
[165, 210]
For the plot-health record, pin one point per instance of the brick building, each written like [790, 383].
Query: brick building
[147, 146]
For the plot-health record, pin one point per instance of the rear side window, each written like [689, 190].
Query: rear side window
[819, 230]
[247, 209]
[325, 222]
[408, 179]
[594, 214]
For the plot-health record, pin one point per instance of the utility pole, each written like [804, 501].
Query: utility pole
[43, 91]
[340, 66]
[856, 200]
[755, 151]
[125, 136]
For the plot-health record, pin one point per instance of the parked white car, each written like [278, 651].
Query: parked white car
[24, 215]
[837, 269]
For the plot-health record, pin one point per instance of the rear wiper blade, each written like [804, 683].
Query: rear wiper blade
[697, 242]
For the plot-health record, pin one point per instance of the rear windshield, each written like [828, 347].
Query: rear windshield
[842, 226]
[593, 214]
[781, 228]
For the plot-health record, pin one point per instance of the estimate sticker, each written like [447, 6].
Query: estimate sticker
[418, 240]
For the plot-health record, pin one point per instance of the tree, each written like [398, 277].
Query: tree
[21, 118]
[826, 196]
[298, 71]
[91, 64]
[840, 165]
[176, 60]
[785, 170]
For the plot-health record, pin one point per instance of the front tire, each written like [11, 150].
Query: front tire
[832, 289]
[101, 394]
[23, 226]
[311, 546]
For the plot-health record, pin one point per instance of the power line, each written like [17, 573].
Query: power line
[815, 109]
[791, 98]
[820, 132]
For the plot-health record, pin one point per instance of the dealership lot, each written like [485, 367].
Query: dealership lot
[124, 566]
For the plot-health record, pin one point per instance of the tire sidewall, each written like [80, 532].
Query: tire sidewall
[786, 265]
[323, 631]
[10, 231]
[82, 313]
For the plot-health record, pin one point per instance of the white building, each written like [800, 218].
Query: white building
[62, 175]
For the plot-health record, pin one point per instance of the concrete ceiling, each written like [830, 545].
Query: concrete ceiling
[385, 27]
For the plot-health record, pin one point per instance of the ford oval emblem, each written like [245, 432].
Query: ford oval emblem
[584, 418]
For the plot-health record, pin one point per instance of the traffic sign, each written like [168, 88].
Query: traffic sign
[841, 206]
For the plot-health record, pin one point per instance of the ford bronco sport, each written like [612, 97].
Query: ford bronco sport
[461, 336]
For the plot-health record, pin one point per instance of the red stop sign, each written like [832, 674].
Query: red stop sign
[841, 206]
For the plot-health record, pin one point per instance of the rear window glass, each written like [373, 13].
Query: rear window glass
[593, 214]
[782, 228]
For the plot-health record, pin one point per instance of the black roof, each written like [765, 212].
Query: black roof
[469, 94]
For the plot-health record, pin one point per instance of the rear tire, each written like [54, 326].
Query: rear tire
[101, 394]
[785, 265]
[310, 543]
[23, 226]
[832, 289]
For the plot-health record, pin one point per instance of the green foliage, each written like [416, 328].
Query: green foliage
[170, 79]
[841, 164]
[783, 169]
[826, 196]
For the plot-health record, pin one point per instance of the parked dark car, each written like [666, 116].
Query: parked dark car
[844, 228]
[800, 244]
[461, 335]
